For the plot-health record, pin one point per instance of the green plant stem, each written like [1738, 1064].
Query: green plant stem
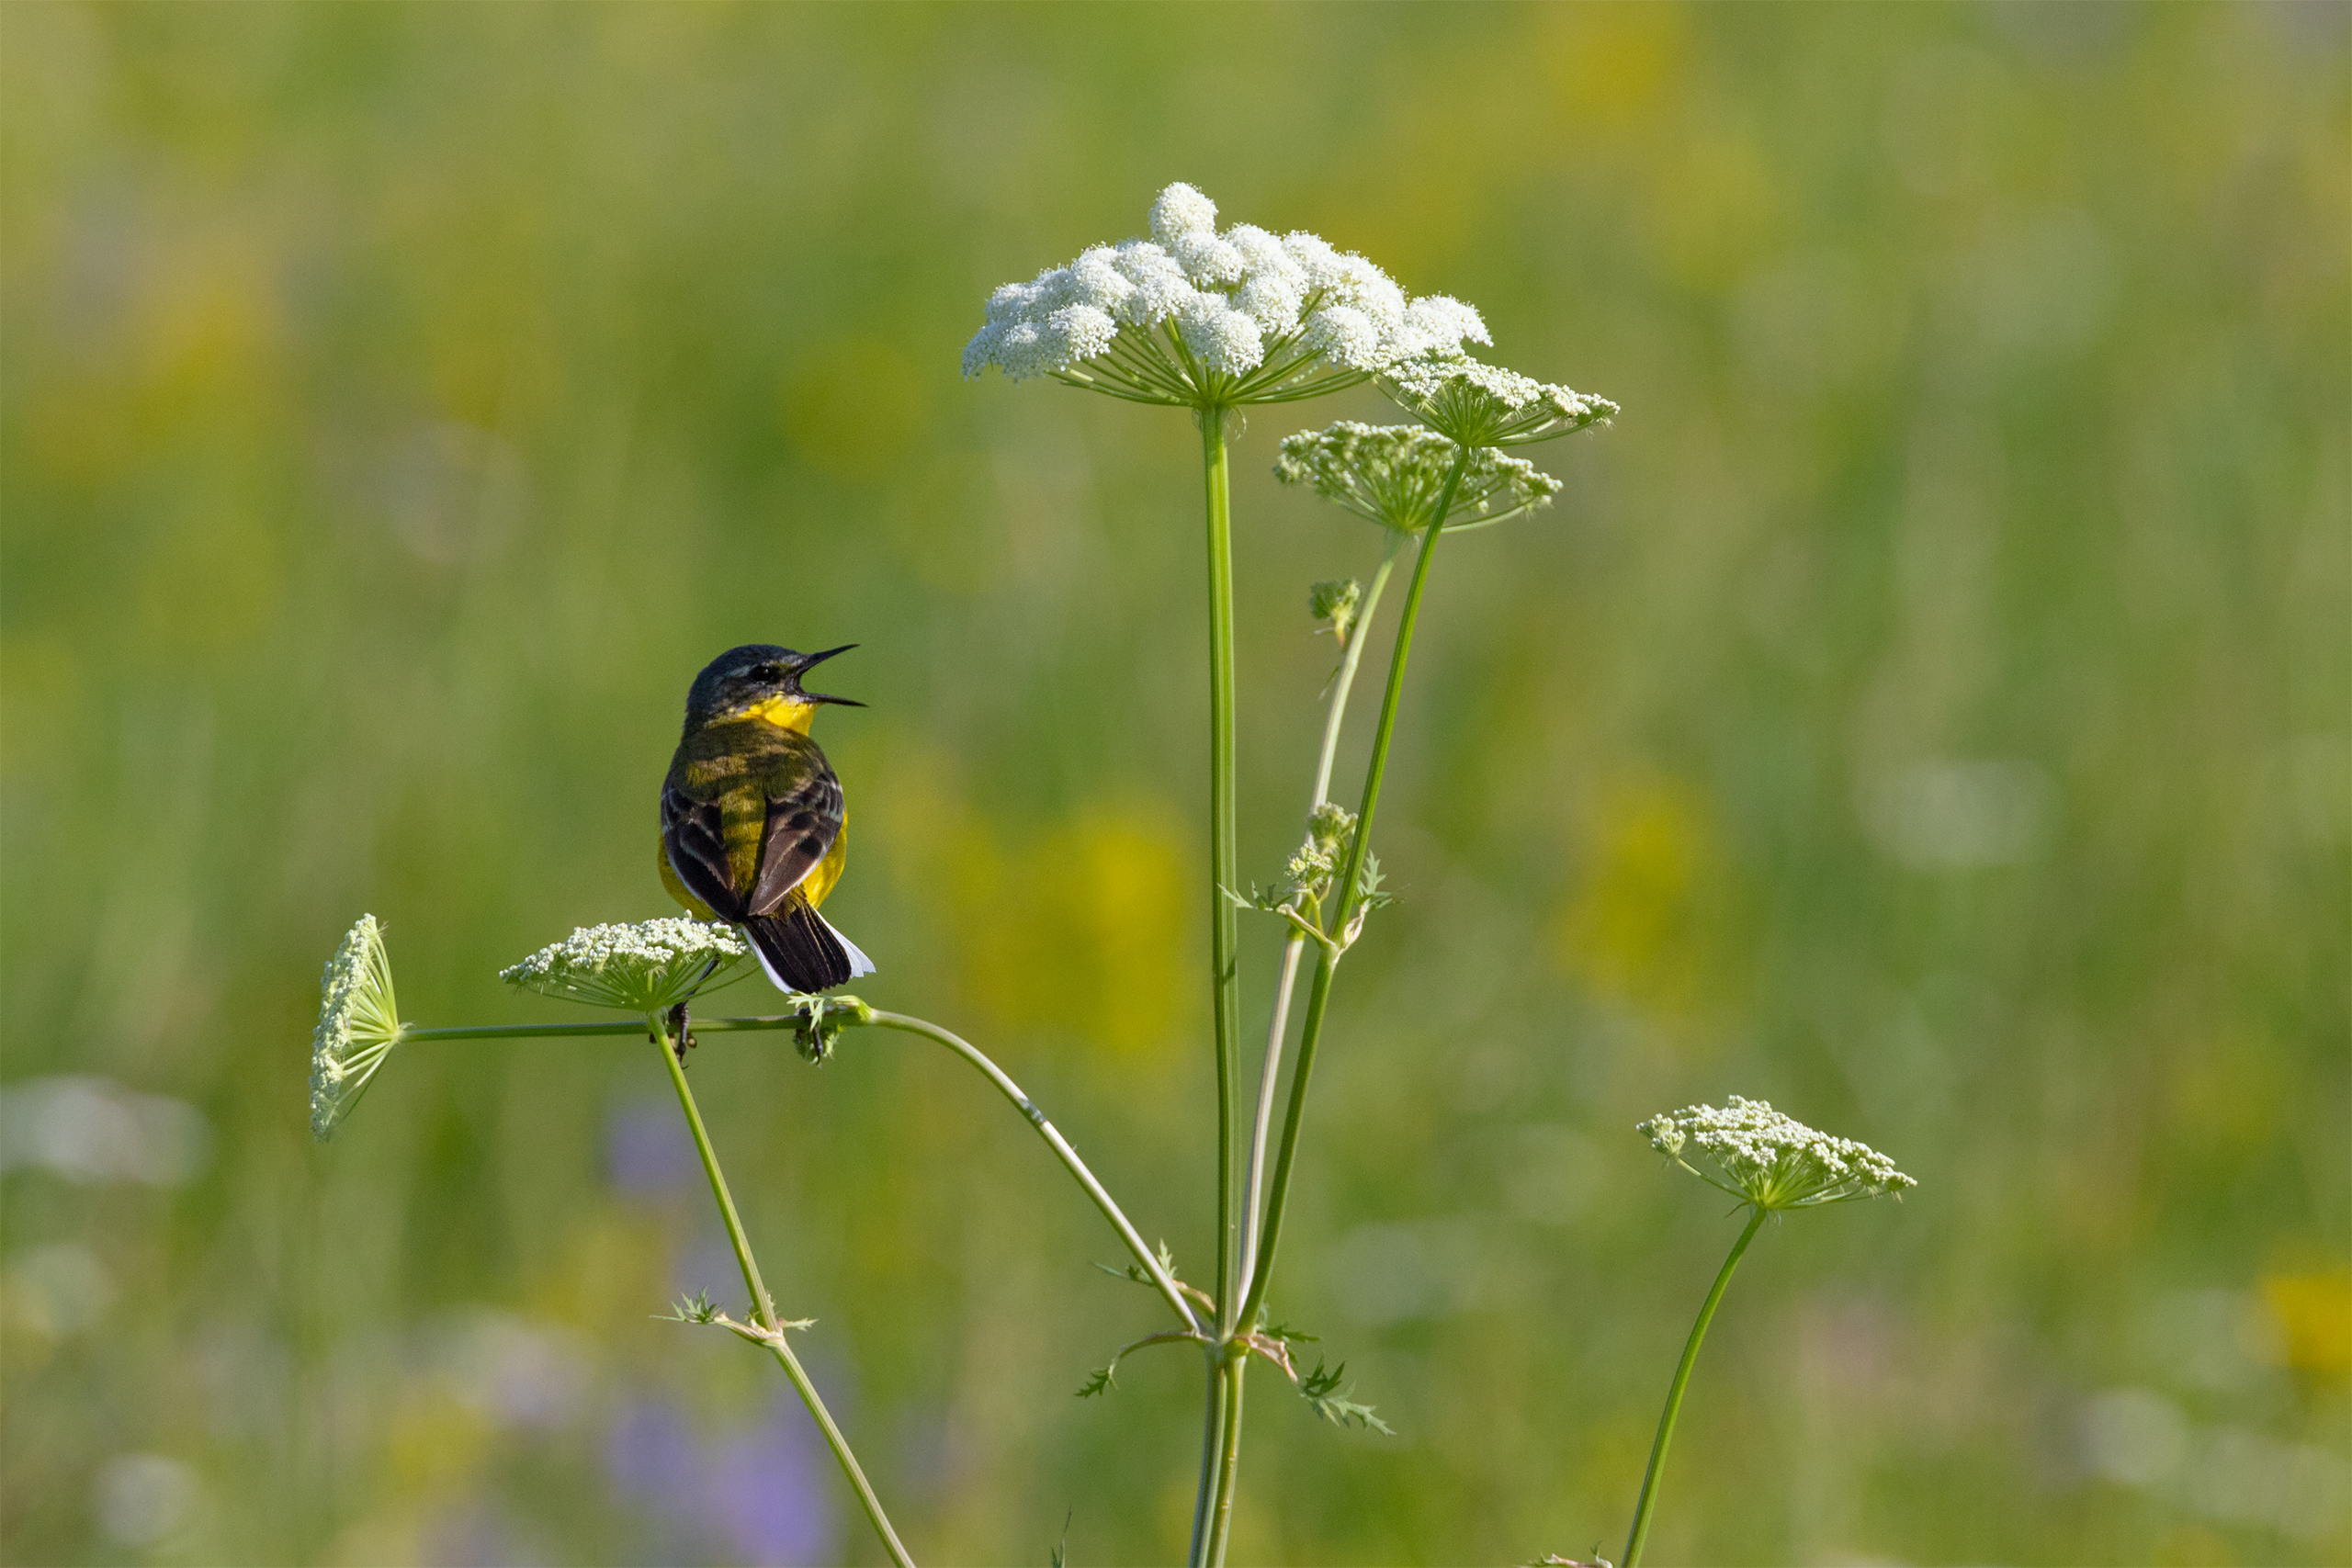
[1230, 1370]
[1212, 1453]
[1144, 1255]
[1223, 924]
[1224, 941]
[1639, 1536]
[1286, 983]
[763, 1310]
[1349, 890]
[1062, 1151]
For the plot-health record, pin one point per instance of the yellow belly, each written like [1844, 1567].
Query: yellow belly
[822, 877]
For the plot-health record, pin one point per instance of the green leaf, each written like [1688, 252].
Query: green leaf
[697, 1308]
[1103, 1381]
[1322, 1390]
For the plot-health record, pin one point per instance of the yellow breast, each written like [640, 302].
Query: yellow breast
[786, 713]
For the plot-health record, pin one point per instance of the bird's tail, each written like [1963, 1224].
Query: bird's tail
[802, 952]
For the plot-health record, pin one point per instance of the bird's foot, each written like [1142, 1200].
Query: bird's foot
[682, 1039]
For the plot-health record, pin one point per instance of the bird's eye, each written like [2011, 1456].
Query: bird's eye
[770, 671]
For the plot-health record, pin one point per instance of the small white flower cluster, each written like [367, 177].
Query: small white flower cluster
[647, 968]
[1486, 405]
[1770, 1160]
[1394, 474]
[1239, 302]
[358, 1025]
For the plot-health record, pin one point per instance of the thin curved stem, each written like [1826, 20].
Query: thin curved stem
[1286, 983]
[1349, 890]
[1054, 1140]
[763, 1310]
[1102, 1200]
[1639, 1534]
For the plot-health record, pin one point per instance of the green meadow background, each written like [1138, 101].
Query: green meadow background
[1927, 708]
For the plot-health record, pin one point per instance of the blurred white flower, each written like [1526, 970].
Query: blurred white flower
[647, 968]
[91, 1130]
[1393, 475]
[140, 1499]
[1770, 1160]
[1243, 316]
[57, 1289]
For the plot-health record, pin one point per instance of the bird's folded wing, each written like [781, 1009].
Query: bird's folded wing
[691, 832]
[804, 816]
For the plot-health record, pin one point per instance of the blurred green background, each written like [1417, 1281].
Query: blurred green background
[1927, 708]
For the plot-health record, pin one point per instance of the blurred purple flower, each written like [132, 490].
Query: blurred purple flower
[650, 1452]
[765, 1486]
[648, 1149]
[754, 1495]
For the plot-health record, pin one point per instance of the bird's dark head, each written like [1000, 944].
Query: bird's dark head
[760, 681]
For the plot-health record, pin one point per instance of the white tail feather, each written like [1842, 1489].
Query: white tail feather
[858, 962]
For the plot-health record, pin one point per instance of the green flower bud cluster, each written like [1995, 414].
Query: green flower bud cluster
[1316, 860]
[1337, 602]
[1393, 475]
[1479, 404]
[358, 1025]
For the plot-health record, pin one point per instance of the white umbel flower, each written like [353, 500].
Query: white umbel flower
[1182, 210]
[648, 967]
[1486, 405]
[1262, 319]
[358, 1025]
[1770, 1160]
[1225, 341]
[1393, 475]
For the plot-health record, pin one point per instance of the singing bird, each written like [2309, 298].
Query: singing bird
[752, 823]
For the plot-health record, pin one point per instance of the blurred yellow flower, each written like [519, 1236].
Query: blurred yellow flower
[2313, 1313]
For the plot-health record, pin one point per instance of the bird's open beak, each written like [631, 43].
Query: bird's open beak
[809, 661]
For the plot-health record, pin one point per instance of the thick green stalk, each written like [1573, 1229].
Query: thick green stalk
[1286, 982]
[763, 1310]
[1639, 1536]
[1223, 941]
[1229, 1372]
[1213, 1431]
[1223, 875]
[1345, 888]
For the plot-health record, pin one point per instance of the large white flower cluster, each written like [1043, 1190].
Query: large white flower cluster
[1237, 299]
[358, 1025]
[1394, 474]
[647, 968]
[1770, 1160]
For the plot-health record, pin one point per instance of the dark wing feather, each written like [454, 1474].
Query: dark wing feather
[803, 820]
[690, 831]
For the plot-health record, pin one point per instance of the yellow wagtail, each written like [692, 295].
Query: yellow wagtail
[754, 829]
